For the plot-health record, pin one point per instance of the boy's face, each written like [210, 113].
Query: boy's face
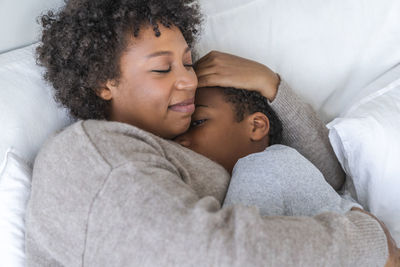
[214, 131]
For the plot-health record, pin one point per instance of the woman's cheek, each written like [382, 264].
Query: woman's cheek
[159, 93]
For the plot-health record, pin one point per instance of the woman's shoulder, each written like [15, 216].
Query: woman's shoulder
[62, 136]
[96, 130]
[103, 127]
[111, 141]
[68, 142]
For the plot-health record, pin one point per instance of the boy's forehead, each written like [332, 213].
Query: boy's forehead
[209, 96]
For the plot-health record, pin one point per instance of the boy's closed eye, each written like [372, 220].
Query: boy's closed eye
[198, 122]
[200, 116]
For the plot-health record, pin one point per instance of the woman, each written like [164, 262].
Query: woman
[113, 190]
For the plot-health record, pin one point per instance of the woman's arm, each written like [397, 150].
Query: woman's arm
[112, 198]
[302, 129]
[146, 215]
[394, 251]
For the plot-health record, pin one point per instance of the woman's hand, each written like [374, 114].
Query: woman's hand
[226, 70]
[394, 251]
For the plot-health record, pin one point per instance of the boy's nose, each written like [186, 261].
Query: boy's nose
[183, 141]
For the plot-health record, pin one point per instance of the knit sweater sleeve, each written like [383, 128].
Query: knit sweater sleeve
[304, 131]
[145, 215]
[115, 197]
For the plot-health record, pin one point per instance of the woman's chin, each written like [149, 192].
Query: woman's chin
[182, 128]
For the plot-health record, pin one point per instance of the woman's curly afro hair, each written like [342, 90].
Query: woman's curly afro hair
[82, 44]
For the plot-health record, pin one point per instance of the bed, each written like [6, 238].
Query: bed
[341, 56]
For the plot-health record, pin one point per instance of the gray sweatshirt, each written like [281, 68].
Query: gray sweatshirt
[280, 181]
[110, 194]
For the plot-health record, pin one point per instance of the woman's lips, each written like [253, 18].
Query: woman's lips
[185, 106]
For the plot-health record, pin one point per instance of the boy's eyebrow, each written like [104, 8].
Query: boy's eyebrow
[199, 105]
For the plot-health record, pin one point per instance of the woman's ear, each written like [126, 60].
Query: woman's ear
[259, 125]
[106, 92]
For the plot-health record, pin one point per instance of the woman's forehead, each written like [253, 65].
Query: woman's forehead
[170, 39]
[142, 48]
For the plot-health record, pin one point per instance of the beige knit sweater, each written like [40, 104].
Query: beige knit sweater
[110, 194]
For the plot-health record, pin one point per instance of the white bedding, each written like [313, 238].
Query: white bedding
[27, 110]
[18, 21]
[366, 141]
[327, 50]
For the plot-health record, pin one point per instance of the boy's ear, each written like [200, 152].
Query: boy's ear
[259, 126]
[106, 92]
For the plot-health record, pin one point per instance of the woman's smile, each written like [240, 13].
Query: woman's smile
[186, 106]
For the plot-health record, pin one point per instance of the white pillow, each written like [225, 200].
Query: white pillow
[15, 184]
[28, 116]
[19, 21]
[326, 50]
[28, 113]
[366, 141]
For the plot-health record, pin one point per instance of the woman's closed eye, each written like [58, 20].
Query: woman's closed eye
[162, 70]
[196, 123]
[189, 66]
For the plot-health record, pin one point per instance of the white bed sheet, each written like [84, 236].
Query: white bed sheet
[327, 50]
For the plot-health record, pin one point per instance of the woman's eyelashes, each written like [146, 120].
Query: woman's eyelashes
[196, 123]
[189, 66]
[163, 71]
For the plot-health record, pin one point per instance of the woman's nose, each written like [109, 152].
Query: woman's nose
[186, 80]
[183, 140]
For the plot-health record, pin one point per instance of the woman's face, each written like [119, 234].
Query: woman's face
[157, 85]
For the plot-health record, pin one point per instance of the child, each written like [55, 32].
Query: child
[238, 129]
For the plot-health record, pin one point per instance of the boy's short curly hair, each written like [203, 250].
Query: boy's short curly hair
[248, 102]
[82, 44]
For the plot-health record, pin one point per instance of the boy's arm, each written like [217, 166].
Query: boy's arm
[304, 131]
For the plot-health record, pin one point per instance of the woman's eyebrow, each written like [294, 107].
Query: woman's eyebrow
[159, 53]
[165, 53]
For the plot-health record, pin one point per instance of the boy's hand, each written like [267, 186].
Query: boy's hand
[226, 70]
[394, 251]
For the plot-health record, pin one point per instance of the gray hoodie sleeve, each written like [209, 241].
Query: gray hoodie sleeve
[280, 181]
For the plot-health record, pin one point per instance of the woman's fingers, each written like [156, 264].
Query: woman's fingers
[210, 66]
[222, 69]
[205, 59]
[215, 58]
[205, 70]
[213, 79]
